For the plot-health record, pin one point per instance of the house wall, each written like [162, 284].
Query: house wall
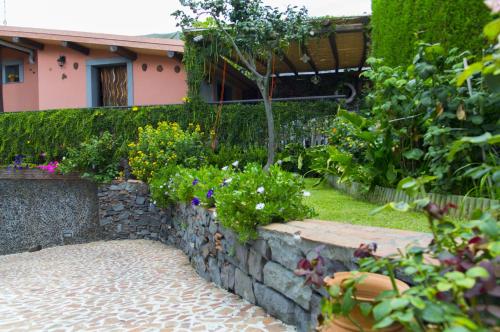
[53, 87]
[64, 87]
[152, 87]
[22, 96]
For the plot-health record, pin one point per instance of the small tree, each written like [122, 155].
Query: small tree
[256, 33]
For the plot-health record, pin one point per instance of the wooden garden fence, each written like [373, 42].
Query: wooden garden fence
[381, 195]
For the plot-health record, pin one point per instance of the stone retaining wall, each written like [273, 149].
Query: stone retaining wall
[125, 212]
[260, 272]
[40, 210]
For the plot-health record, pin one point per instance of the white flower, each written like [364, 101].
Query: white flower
[260, 206]
[228, 180]
[161, 186]
[166, 193]
[154, 202]
[225, 168]
[236, 163]
[280, 162]
[306, 193]
[493, 4]
[260, 190]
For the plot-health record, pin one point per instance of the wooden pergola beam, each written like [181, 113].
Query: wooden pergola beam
[365, 52]
[310, 61]
[28, 43]
[290, 65]
[76, 47]
[335, 51]
[124, 52]
[237, 76]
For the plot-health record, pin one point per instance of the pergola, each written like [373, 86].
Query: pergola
[337, 52]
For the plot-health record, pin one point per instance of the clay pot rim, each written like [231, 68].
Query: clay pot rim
[339, 277]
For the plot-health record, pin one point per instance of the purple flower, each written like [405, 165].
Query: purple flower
[210, 193]
[195, 182]
[196, 201]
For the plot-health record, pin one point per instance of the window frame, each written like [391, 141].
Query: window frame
[20, 64]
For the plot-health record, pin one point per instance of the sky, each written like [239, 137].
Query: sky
[129, 17]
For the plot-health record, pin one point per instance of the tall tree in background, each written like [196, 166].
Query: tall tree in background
[256, 33]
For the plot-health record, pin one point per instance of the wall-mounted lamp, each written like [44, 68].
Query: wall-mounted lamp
[61, 61]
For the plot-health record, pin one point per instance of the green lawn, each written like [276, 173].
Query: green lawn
[333, 205]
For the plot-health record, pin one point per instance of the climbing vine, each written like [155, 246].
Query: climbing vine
[48, 135]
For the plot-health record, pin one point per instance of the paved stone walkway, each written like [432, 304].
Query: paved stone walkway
[118, 286]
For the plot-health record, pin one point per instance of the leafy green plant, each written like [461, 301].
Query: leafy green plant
[398, 24]
[51, 133]
[253, 198]
[415, 114]
[196, 186]
[329, 160]
[227, 154]
[487, 173]
[165, 145]
[455, 279]
[94, 159]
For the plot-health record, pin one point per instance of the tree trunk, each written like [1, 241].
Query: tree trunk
[271, 144]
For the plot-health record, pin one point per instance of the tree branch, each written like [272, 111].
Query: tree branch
[247, 63]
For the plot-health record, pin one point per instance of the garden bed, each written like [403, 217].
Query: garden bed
[261, 271]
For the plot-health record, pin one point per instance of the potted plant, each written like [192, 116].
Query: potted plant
[13, 78]
[455, 280]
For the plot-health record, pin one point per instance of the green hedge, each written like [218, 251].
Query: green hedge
[52, 132]
[398, 24]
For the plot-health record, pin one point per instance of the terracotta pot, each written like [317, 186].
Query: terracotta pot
[366, 291]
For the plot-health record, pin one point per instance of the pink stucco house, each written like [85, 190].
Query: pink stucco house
[49, 69]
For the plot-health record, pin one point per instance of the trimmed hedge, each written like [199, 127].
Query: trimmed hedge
[398, 24]
[53, 132]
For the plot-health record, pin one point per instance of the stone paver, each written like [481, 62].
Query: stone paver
[118, 286]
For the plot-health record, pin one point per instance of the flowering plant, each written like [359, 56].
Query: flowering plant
[254, 197]
[51, 167]
[199, 187]
[94, 159]
[167, 144]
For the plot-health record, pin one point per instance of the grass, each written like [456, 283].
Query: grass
[333, 205]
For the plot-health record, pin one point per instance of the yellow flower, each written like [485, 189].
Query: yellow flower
[135, 108]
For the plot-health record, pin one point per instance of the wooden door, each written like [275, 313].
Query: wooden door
[114, 86]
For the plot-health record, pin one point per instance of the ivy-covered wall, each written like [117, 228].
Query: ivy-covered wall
[398, 24]
[52, 132]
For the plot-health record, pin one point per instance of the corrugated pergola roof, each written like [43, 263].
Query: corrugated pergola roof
[343, 47]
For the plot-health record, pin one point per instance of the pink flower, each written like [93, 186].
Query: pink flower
[50, 167]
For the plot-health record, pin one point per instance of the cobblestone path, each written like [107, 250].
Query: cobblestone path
[118, 286]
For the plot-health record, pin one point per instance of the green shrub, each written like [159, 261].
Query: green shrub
[415, 114]
[165, 145]
[53, 132]
[398, 24]
[94, 159]
[255, 198]
[194, 186]
[226, 155]
[244, 199]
